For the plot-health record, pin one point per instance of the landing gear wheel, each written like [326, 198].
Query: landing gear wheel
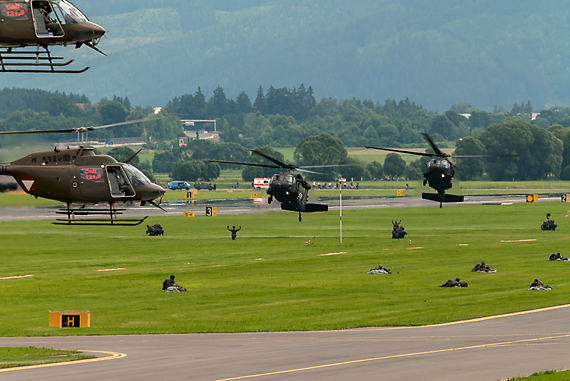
[299, 216]
[269, 199]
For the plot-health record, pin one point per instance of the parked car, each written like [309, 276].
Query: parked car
[178, 185]
[202, 185]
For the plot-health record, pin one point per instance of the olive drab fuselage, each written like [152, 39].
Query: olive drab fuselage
[80, 176]
[22, 23]
[287, 187]
[439, 174]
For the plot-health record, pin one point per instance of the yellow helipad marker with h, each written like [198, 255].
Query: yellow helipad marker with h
[70, 319]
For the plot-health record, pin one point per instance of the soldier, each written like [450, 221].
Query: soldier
[482, 267]
[454, 283]
[557, 257]
[170, 285]
[234, 232]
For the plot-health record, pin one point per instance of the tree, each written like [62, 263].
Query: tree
[375, 170]
[394, 165]
[163, 162]
[194, 170]
[443, 126]
[248, 173]
[357, 169]
[323, 149]
[62, 105]
[472, 168]
[563, 133]
[413, 170]
[219, 102]
[123, 153]
[243, 103]
[537, 152]
[112, 112]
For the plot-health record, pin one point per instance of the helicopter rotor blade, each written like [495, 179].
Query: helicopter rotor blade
[325, 166]
[242, 163]
[76, 129]
[437, 151]
[132, 157]
[307, 171]
[400, 151]
[279, 163]
[506, 155]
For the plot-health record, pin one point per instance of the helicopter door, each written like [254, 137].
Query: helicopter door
[46, 22]
[119, 183]
[15, 17]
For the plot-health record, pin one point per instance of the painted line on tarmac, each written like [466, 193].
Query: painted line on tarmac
[470, 320]
[114, 355]
[487, 345]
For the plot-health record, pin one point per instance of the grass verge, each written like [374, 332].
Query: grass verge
[11, 357]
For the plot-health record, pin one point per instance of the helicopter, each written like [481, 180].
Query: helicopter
[438, 174]
[78, 175]
[40, 24]
[291, 190]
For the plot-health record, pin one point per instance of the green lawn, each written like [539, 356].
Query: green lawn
[24, 356]
[270, 280]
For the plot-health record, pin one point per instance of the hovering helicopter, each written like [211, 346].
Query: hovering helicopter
[291, 190]
[42, 23]
[78, 175]
[438, 174]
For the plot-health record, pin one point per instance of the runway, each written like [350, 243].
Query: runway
[492, 348]
[240, 206]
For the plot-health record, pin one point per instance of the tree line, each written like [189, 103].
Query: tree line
[539, 147]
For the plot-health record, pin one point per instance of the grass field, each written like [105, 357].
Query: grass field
[24, 356]
[270, 280]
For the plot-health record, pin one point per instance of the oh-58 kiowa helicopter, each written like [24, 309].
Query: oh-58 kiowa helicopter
[79, 176]
[40, 24]
[438, 174]
[291, 190]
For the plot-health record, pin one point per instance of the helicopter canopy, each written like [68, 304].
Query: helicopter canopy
[135, 175]
[67, 12]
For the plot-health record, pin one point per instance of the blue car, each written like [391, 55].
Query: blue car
[178, 185]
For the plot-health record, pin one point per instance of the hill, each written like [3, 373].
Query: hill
[437, 54]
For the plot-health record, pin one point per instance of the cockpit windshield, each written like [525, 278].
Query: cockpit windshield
[67, 12]
[288, 178]
[136, 176]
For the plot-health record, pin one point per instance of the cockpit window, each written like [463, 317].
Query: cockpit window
[136, 176]
[67, 12]
[289, 178]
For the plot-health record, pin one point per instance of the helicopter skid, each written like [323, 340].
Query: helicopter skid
[100, 221]
[43, 62]
[111, 220]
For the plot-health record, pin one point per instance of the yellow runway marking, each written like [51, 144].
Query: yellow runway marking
[470, 320]
[114, 355]
[489, 345]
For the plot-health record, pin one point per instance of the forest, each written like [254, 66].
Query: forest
[537, 141]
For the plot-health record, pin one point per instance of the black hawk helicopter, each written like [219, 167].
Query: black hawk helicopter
[291, 190]
[78, 175]
[438, 174]
[40, 24]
